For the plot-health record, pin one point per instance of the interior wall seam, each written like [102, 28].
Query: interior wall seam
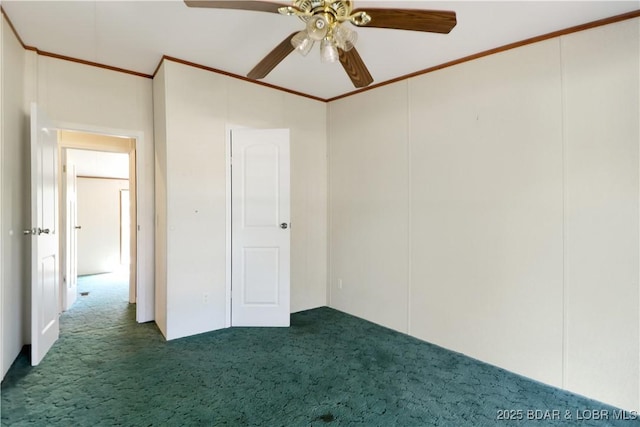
[638, 284]
[565, 231]
[2, 310]
[409, 204]
[329, 295]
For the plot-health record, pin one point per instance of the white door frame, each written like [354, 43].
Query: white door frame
[145, 289]
[227, 159]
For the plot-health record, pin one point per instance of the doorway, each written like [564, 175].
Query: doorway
[97, 200]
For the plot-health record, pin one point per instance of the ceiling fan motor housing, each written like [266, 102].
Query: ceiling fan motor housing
[334, 10]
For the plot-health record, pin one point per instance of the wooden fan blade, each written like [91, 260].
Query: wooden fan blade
[272, 59]
[431, 21]
[355, 68]
[260, 6]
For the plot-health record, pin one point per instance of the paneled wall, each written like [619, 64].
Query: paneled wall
[368, 173]
[486, 210]
[194, 109]
[492, 208]
[601, 94]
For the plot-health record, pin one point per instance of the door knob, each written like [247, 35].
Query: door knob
[27, 232]
[78, 227]
[283, 225]
[43, 231]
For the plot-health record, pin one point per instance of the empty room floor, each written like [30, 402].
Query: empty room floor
[327, 369]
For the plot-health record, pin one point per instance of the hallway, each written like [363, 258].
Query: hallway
[105, 306]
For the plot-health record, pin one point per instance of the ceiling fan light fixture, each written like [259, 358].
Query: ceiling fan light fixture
[302, 43]
[317, 27]
[344, 37]
[328, 51]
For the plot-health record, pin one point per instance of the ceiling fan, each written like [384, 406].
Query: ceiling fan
[325, 22]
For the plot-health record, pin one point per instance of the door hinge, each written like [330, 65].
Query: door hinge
[64, 168]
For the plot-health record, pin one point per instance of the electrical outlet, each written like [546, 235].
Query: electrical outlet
[339, 283]
[205, 298]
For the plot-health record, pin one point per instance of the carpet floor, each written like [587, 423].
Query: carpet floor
[327, 369]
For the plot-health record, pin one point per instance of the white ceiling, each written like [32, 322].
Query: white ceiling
[99, 164]
[135, 34]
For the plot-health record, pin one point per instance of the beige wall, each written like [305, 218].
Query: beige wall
[368, 173]
[198, 108]
[99, 217]
[14, 198]
[501, 200]
[486, 210]
[601, 74]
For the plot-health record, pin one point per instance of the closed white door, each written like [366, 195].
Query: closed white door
[45, 309]
[260, 227]
[70, 294]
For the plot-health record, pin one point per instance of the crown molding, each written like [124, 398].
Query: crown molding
[570, 30]
[235, 76]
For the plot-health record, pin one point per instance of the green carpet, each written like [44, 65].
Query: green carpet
[327, 369]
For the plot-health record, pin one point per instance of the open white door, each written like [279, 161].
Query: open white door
[260, 227]
[45, 327]
[70, 180]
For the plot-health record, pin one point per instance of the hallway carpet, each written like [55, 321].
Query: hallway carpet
[327, 369]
